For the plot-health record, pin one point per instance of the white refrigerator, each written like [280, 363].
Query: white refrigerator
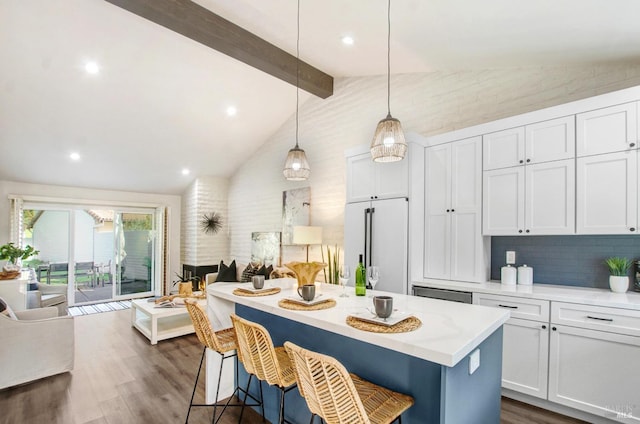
[379, 230]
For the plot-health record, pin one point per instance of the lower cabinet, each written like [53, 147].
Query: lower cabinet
[585, 357]
[596, 372]
[525, 348]
[525, 357]
[594, 360]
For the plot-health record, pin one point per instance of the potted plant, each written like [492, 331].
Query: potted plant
[618, 270]
[15, 255]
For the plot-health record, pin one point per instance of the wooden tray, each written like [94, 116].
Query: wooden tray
[410, 324]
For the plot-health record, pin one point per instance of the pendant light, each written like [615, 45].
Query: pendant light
[296, 166]
[388, 143]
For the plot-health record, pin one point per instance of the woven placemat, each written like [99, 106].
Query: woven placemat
[249, 293]
[287, 304]
[404, 326]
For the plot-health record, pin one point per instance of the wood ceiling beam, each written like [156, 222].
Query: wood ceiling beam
[202, 25]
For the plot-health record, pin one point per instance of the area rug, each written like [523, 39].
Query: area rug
[99, 307]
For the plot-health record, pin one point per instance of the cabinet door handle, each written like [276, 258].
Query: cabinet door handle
[544, 327]
[600, 319]
[554, 328]
[519, 231]
[447, 210]
[528, 160]
[508, 306]
[632, 229]
[453, 210]
[521, 161]
[632, 144]
[527, 231]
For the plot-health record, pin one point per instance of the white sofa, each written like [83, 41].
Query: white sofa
[36, 343]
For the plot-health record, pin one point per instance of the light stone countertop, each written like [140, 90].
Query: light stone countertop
[449, 331]
[558, 293]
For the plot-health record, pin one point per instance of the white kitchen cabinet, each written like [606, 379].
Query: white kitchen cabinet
[367, 180]
[525, 346]
[595, 371]
[592, 359]
[535, 143]
[531, 200]
[525, 357]
[607, 130]
[453, 200]
[503, 201]
[549, 204]
[503, 149]
[607, 193]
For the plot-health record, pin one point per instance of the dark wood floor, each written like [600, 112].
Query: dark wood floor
[120, 378]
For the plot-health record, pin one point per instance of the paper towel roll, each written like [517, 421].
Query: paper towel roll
[508, 275]
[525, 275]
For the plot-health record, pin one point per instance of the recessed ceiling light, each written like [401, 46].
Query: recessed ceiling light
[185, 171]
[75, 156]
[92, 68]
[231, 111]
[347, 40]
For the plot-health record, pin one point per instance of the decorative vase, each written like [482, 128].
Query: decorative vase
[618, 284]
[306, 272]
[185, 288]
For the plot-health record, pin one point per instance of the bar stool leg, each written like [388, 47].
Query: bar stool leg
[195, 386]
[246, 393]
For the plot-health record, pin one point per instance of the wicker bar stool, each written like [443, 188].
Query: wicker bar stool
[262, 359]
[339, 397]
[222, 342]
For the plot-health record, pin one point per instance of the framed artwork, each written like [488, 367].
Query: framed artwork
[265, 248]
[296, 205]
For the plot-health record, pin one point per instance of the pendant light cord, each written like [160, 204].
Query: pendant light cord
[297, 70]
[388, 58]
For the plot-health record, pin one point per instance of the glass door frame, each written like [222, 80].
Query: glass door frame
[157, 213]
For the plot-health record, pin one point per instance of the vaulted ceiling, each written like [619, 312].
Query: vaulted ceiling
[158, 103]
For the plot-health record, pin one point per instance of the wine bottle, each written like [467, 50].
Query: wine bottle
[361, 279]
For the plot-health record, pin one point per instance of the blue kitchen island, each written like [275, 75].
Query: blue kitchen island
[432, 364]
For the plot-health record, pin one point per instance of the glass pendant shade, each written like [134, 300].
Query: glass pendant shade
[296, 166]
[388, 143]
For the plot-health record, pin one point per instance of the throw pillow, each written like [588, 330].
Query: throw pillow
[227, 273]
[266, 271]
[6, 310]
[251, 270]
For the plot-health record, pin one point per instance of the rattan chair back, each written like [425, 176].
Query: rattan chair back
[327, 387]
[221, 341]
[258, 355]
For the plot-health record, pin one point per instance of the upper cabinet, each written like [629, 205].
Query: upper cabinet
[536, 143]
[607, 130]
[367, 180]
[529, 179]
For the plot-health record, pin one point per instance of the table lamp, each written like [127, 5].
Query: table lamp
[306, 235]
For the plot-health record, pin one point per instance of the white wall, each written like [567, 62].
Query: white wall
[119, 197]
[427, 104]
[204, 195]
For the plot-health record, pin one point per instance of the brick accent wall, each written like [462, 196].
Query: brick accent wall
[427, 104]
[204, 195]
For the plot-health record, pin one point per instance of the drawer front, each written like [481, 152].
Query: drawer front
[524, 308]
[623, 321]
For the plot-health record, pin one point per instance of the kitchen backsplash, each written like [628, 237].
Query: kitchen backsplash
[568, 260]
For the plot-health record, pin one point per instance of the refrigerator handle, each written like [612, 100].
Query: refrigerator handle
[371, 212]
[366, 223]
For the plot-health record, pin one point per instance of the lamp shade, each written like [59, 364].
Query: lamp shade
[388, 143]
[296, 166]
[307, 235]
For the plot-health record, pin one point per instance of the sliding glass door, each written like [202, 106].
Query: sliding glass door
[135, 251]
[101, 253]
